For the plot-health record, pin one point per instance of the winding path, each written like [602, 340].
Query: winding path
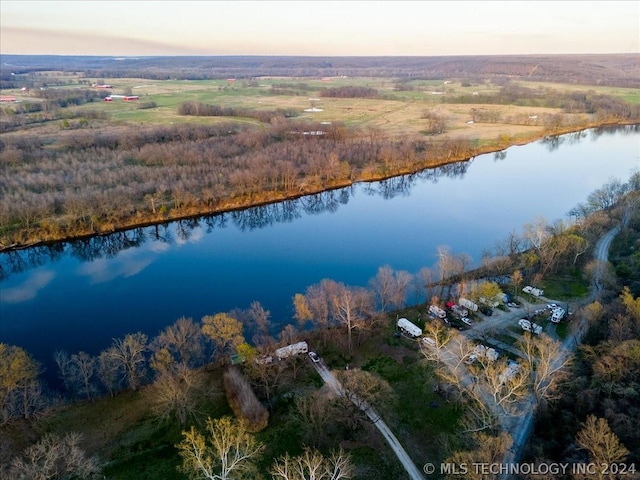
[405, 460]
[521, 431]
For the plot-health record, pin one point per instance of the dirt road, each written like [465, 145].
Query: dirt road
[332, 382]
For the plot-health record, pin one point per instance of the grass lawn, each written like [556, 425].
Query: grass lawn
[565, 286]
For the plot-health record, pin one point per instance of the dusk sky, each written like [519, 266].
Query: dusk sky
[328, 28]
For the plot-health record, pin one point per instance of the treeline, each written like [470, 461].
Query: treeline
[603, 107]
[616, 70]
[95, 180]
[48, 108]
[349, 92]
[265, 116]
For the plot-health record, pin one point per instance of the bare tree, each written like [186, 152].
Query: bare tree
[441, 335]
[383, 286]
[483, 450]
[316, 413]
[312, 465]
[18, 372]
[266, 376]
[318, 298]
[225, 451]
[259, 320]
[175, 394]
[351, 306]
[107, 370]
[547, 365]
[66, 370]
[128, 354]
[364, 388]
[85, 365]
[55, 456]
[183, 340]
[603, 445]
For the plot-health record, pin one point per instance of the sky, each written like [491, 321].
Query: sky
[319, 28]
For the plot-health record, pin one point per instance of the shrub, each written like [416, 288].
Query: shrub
[243, 401]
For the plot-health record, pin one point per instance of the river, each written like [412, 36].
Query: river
[79, 295]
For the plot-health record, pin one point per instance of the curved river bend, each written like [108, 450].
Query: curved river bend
[79, 295]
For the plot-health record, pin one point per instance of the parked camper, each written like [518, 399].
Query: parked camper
[291, 350]
[463, 302]
[533, 291]
[409, 328]
[429, 341]
[557, 314]
[437, 311]
[529, 326]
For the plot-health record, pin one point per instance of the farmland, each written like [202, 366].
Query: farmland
[286, 130]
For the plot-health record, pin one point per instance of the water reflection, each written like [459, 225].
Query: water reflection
[553, 142]
[192, 230]
[126, 264]
[28, 289]
[160, 237]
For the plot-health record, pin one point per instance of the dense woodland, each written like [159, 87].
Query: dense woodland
[615, 70]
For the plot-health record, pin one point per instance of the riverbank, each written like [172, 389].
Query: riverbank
[37, 237]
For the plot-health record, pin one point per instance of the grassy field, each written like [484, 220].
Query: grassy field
[396, 112]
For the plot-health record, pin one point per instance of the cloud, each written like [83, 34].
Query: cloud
[126, 264]
[40, 41]
[29, 289]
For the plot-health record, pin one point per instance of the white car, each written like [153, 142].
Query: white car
[467, 320]
[525, 324]
[314, 357]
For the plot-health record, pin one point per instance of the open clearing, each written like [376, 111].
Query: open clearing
[396, 112]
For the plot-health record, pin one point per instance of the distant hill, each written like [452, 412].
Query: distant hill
[621, 70]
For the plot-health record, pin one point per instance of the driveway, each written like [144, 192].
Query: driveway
[332, 382]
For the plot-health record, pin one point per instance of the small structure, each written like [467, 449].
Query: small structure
[292, 350]
[409, 328]
[486, 352]
[129, 98]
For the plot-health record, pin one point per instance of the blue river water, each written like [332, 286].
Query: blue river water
[80, 295]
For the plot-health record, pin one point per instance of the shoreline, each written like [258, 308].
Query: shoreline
[302, 191]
